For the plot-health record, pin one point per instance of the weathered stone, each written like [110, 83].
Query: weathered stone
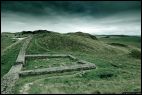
[21, 56]
[57, 69]
[83, 62]
[46, 56]
[72, 57]
[9, 79]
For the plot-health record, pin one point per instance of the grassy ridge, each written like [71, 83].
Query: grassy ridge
[58, 42]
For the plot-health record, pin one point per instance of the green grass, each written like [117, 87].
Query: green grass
[6, 41]
[9, 58]
[136, 53]
[47, 62]
[128, 40]
[88, 82]
[117, 70]
[46, 43]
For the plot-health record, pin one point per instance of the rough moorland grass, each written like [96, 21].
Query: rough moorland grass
[23, 80]
[79, 84]
[6, 41]
[59, 42]
[34, 48]
[125, 76]
[47, 62]
[116, 71]
[128, 40]
[135, 53]
[118, 44]
[9, 57]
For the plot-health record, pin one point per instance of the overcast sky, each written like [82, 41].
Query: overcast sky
[95, 17]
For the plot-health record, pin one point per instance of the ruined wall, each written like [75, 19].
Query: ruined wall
[21, 56]
[9, 79]
[62, 69]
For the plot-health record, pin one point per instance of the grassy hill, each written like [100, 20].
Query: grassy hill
[70, 43]
[118, 69]
[86, 35]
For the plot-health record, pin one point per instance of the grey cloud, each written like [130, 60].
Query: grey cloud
[99, 17]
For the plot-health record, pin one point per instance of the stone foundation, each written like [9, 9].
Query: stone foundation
[57, 69]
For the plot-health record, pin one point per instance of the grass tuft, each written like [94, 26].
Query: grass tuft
[135, 53]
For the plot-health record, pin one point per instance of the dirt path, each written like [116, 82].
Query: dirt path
[25, 88]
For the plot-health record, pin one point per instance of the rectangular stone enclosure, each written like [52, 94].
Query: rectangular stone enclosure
[53, 63]
[38, 62]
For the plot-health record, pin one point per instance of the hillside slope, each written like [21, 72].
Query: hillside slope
[118, 70]
[47, 42]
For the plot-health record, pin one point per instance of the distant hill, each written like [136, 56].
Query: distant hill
[36, 31]
[87, 35]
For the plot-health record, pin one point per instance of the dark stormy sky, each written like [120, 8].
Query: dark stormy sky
[95, 17]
